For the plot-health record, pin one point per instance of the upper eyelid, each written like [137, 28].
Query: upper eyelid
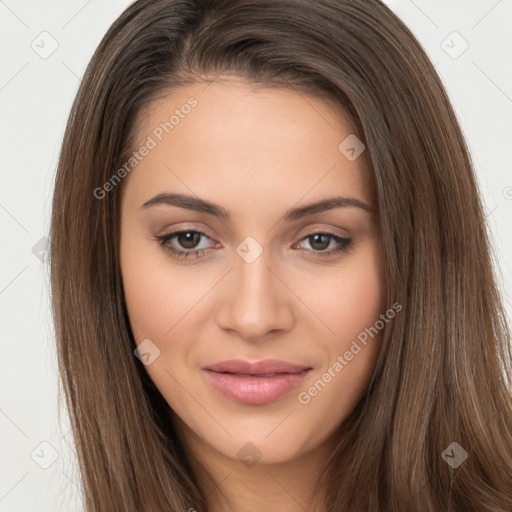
[175, 232]
[330, 229]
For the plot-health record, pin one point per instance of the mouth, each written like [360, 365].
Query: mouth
[255, 383]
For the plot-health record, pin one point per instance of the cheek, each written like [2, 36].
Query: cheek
[351, 306]
[358, 325]
[360, 297]
[146, 301]
[157, 294]
[350, 298]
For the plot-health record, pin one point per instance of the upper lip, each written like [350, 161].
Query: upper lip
[265, 366]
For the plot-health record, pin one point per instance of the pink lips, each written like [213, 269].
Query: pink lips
[255, 383]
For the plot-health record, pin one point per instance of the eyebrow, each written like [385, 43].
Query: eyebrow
[203, 206]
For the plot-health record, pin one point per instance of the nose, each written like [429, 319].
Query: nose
[256, 303]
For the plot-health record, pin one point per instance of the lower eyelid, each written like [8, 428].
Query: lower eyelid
[165, 240]
[342, 243]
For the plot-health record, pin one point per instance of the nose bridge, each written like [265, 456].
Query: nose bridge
[256, 303]
[254, 282]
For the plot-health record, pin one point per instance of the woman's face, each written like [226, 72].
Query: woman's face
[272, 277]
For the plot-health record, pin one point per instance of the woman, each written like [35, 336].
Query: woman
[271, 276]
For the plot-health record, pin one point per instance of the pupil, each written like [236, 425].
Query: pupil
[323, 244]
[188, 240]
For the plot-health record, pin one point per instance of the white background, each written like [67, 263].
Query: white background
[35, 97]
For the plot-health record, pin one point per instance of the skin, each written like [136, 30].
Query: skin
[257, 152]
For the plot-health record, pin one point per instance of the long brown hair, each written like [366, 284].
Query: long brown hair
[443, 370]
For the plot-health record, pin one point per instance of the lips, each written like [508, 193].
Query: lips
[255, 383]
[259, 368]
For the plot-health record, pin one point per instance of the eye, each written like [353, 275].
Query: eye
[188, 239]
[322, 241]
[189, 242]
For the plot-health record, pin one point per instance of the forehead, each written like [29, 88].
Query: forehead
[262, 143]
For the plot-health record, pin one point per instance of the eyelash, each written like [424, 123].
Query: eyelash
[344, 244]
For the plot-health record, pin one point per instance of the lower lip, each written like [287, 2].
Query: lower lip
[251, 390]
